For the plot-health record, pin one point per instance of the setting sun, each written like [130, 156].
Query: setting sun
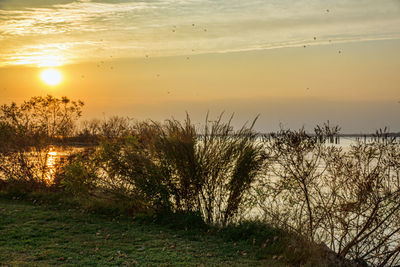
[51, 76]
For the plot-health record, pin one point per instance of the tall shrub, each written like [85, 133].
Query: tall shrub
[346, 199]
[230, 161]
[171, 166]
[27, 132]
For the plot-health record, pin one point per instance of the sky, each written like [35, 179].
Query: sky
[294, 63]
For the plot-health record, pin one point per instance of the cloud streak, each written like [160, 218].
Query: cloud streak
[90, 30]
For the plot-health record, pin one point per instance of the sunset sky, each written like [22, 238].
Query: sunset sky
[296, 63]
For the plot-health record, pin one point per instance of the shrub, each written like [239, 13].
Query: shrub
[230, 161]
[152, 166]
[170, 167]
[347, 200]
[79, 177]
[27, 132]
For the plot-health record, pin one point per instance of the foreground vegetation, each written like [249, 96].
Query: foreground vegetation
[49, 229]
[343, 201]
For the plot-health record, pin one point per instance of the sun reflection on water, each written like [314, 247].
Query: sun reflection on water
[51, 162]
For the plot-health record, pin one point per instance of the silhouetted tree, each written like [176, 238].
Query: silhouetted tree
[26, 133]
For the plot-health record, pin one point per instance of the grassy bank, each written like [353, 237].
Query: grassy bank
[39, 232]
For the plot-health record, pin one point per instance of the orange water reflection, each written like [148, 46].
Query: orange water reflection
[51, 161]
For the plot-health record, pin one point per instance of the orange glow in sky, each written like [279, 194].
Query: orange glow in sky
[296, 63]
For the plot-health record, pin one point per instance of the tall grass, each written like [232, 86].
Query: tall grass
[230, 161]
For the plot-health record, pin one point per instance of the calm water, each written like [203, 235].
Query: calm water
[58, 155]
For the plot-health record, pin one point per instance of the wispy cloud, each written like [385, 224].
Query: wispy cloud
[89, 30]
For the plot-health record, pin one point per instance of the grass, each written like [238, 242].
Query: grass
[47, 233]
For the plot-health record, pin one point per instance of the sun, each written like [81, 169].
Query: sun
[51, 77]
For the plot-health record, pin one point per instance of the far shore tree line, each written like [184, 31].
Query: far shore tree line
[344, 199]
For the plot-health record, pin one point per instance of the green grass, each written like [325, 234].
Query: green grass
[60, 233]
